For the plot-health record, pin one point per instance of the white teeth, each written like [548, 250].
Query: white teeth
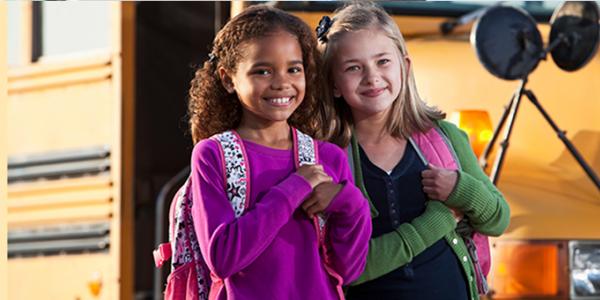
[280, 100]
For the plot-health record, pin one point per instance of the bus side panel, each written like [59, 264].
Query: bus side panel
[61, 277]
[62, 108]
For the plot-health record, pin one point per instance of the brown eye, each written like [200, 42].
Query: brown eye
[295, 70]
[352, 68]
[262, 72]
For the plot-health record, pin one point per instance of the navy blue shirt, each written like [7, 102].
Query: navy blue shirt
[399, 198]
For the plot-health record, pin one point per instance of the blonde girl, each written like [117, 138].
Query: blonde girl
[375, 111]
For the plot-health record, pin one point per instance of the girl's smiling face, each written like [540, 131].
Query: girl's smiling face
[366, 71]
[269, 79]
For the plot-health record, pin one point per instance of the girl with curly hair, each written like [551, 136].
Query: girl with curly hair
[260, 83]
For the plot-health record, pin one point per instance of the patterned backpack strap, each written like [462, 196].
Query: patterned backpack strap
[178, 233]
[235, 169]
[306, 153]
[184, 243]
[305, 148]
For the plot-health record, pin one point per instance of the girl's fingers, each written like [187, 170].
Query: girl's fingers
[314, 209]
[429, 174]
[322, 177]
[429, 190]
[428, 182]
[309, 202]
[312, 206]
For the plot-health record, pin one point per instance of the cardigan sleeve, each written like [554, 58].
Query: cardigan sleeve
[229, 244]
[474, 194]
[397, 248]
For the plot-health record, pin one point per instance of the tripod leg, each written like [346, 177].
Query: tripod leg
[495, 174]
[483, 158]
[563, 138]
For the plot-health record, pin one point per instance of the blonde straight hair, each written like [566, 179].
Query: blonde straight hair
[409, 113]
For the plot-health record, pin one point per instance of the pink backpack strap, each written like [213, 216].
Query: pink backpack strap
[434, 147]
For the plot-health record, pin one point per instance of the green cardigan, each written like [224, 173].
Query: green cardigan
[474, 195]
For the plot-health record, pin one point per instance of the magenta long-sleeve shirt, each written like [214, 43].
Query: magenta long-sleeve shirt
[271, 251]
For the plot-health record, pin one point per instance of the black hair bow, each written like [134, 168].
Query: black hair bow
[323, 28]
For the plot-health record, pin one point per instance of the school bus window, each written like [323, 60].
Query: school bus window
[73, 27]
[15, 38]
[540, 10]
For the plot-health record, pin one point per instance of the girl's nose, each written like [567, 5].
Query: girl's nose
[280, 82]
[371, 77]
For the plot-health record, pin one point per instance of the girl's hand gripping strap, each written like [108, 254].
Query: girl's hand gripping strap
[434, 147]
[306, 153]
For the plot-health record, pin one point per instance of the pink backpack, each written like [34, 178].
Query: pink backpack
[435, 148]
[190, 278]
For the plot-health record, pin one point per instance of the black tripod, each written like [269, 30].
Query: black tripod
[510, 112]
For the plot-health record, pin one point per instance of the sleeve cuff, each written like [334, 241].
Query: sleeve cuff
[469, 193]
[342, 202]
[295, 188]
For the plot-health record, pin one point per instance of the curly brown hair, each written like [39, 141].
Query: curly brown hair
[213, 110]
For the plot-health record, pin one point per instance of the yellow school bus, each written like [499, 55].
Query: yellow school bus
[95, 128]
[68, 131]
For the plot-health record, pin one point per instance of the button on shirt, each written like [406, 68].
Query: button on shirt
[398, 196]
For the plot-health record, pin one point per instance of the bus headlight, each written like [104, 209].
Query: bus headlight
[585, 269]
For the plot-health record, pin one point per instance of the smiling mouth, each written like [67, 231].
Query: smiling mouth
[373, 92]
[280, 101]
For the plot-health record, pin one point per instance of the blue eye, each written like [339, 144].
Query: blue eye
[383, 61]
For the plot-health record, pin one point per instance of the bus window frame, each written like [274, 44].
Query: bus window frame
[407, 8]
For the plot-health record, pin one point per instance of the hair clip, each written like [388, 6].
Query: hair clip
[323, 28]
[212, 57]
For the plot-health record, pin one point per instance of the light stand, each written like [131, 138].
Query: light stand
[573, 24]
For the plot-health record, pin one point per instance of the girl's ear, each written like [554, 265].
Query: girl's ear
[408, 62]
[336, 92]
[226, 80]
